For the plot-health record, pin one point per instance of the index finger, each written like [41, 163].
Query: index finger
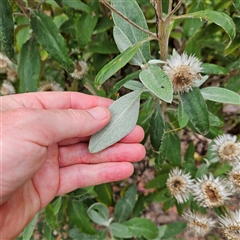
[60, 100]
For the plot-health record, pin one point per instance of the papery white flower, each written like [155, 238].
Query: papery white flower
[7, 88]
[5, 63]
[234, 178]
[46, 86]
[227, 149]
[211, 192]
[230, 225]
[179, 184]
[80, 70]
[198, 224]
[11, 74]
[183, 71]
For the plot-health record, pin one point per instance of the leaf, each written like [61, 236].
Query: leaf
[6, 28]
[157, 124]
[158, 82]
[78, 5]
[86, 23]
[78, 216]
[124, 114]
[142, 227]
[219, 18]
[125, 205]
[49, 37]
[209, 68]
[50, 217]
[48, 232]
[133, 85]
[196, 109]
[133, 12]
[173, 229]
[182, 116]
[119, 230]
[74, 233]
[233, 84]
[221, 95]
[56, 205]
[236, 4]
[158, 182]
[114, 65]
[29, 66]
[104, 193]
[162, 196]
[98, 213]
[161, 231]
[123, 43]
[28, 230]
[201, 170]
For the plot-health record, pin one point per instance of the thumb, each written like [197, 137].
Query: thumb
[51, 126]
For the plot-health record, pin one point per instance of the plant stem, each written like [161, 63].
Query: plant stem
[127, 19]
[23, 7]
[175, 9]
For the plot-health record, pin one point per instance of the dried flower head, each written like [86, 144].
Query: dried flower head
[183, 70]
[46, 86]
[179, 184]
[7, 88]
[230, 225]
[5, 63]
[198, 224]
[234, 178]
[211, 192]
[227, 149]
[80, 70]
[11, 74]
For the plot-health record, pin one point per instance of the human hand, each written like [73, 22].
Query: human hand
[45, 153]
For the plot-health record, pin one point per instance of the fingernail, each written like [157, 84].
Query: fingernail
[99, 113]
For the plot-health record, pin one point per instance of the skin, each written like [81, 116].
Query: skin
[44, 152]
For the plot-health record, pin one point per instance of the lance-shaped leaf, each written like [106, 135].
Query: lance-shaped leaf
[77, 4]
[219, 18]
[221, 95]
[118, 62]
[196, 109]
[51, 40]
[29, 66]
[6, 28]
[182, 116]
[124, 117]
[157, 82]
[28, 230]
[133, 12]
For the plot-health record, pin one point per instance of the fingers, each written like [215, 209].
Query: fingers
[59, 100]
[52, 126]
[135, 136]
[83, 175]
[78, 153]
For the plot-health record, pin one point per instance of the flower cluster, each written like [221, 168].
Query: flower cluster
[209, 191]
[48, 86]
[9, 74]
[80, 70]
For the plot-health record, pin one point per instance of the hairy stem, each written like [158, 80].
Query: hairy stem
[23, 7]
[153, 35]
[175, 9]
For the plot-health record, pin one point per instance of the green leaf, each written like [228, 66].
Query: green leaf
[119, 230]
[119, 84]
[104, 23]
[209, 68]
[161, 231]
[192, 47]
[201, 170]
[28, 230]
[56, 205]
[6, 28]
[157, 124]
[98, 213]
[49, 37]
[182, 116]
[22, 31]
[133, 12]
[114, 65]
[162, 196]
[233, 84]
[123, 43]
[158, 82]
[48, 232]
[86, 23]
[29, 66]
[221, 95]
[104, 193]
[78, 215]
[173, 229]
[142, 227]
[74, 233]
[78, 5]
[50, 217]
[196, 109]
[125, 205]
[133, 85]
[158, 182]
[219, 18]
[60, 19]
[124, 112]
[236, 4]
